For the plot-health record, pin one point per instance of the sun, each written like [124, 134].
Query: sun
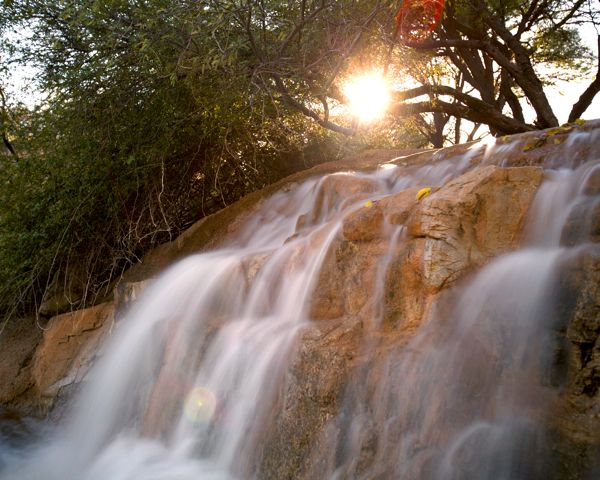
[368, 96]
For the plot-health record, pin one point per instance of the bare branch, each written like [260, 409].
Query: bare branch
[470, 108]
[569, 15]
[510, 97]
[303, 21]
[292, 102]
[586, 98]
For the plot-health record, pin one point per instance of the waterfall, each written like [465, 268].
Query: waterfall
[194, 380]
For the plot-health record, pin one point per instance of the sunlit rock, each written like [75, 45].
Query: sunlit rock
[364, 224]
[473, 218]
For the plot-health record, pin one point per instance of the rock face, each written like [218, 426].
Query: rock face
[459, 227]
[577, 413]
[475, 217]
[70, 344]
[18, 343]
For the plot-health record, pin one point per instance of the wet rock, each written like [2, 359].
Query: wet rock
[343, 186]
[335, 191]
[399, 206]
[70, 344]
[456, 229]
[592, 183]
[311, 399]
[346, 280]
[364, 224]
[583, 223]
[126, 293]
[471, 219]
[253, 265]
[577, 413]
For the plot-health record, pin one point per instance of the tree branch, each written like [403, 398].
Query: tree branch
[568, 16]
[510, 97]
[522, 71]
[586, 98]
[471, 108]
[3, 118]
[303, 21]
[292, 102]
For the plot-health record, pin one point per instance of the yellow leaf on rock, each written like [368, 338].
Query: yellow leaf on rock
[423, 192]
[368, 203]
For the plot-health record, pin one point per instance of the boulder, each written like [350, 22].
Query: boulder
[591, 184]
[70, 344]
[311, 399]
[583, 223]
[397, 207]
[473, 218]
[346, 281]
[576, 419]
[451, 232]
[364, 224]
[454, 230]
[126, 293]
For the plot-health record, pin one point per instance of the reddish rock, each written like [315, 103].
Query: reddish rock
[471, 219]
[398, 207]
[364, 224]
[592, 183]
[70, 344]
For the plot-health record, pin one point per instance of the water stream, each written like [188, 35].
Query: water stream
[188, 386]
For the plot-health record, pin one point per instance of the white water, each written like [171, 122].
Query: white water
[187, 386]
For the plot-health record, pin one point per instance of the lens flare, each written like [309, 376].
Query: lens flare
[200, 405]
[368, 96]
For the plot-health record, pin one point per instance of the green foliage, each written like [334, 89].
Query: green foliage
[151, 121]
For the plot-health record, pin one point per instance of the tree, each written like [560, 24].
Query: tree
[131, 144]
[156, 113]
[501, 50]
[502, 54]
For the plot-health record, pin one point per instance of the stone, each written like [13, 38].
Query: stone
[70, 345]
[471, 219]
[311, 398]
[125, 295]
[364, 224]
[335, 191]
[592, 183]
[583, 223]
[398, 207]
[576, 416]
[347, 275]
[18, 341]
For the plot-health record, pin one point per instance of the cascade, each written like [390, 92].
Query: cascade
[272, 358]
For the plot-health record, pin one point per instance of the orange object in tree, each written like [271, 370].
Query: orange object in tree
[416, 19]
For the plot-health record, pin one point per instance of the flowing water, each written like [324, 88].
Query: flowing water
[189, 385]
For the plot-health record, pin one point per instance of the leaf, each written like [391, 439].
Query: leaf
[423, 193]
